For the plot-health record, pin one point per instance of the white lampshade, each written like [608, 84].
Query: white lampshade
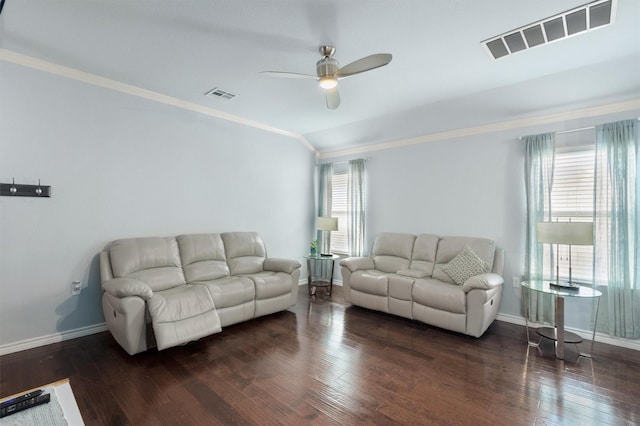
[327, 223]
[574, 233]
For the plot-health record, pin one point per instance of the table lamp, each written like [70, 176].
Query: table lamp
[571, 233]
[326, 224]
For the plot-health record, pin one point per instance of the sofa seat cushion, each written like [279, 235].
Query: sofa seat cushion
[182, 314]
[400, 287]
[439, 295]
[370, 281]
[230, 291]
[271, 284]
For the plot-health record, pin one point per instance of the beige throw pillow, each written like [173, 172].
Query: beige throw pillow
[465, 265]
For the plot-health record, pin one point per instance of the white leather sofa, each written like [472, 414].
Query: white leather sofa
[409, 276]
[167, 291]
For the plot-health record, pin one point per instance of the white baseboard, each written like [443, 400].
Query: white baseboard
[52, 338]
[585, 334]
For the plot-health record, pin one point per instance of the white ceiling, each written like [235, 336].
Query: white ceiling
[440, 78]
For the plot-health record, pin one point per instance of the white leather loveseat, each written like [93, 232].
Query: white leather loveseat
[453, 283]
[167, 291]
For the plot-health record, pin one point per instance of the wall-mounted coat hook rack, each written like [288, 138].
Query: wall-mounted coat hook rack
[14, 189]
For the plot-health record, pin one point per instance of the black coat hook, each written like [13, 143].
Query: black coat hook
[14, 189]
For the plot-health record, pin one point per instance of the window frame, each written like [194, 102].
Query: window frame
[571, 196]
[340, 209]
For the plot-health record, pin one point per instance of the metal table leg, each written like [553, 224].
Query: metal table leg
[593, 336]
[559, 327]
[526, 320]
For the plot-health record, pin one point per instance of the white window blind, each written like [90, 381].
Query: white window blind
[340, 209]
[572, 200]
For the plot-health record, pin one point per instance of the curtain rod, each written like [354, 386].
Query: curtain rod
[562, 132]
[344, 162]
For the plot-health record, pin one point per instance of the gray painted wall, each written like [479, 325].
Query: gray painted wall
[120, 167]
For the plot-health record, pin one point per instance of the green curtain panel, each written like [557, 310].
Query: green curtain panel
[325, 191]
[356, 196]
[539, 167]
[617, 226]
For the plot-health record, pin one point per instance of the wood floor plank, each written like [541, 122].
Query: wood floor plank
[326, 362]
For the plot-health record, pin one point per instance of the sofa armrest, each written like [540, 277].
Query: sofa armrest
[281, 265]
[483, 282]
[357, 263]
[125, 287]
[413, 273]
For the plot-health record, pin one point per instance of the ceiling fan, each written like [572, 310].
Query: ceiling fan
[328, 72]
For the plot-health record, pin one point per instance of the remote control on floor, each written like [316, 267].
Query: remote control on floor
[21, 398]
[24, 404]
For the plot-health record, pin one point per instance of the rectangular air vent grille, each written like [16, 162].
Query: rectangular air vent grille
[572, 22]
[220, 94]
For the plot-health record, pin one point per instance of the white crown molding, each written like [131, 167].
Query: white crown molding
[618, 107]
[99, 81]
[52, 338]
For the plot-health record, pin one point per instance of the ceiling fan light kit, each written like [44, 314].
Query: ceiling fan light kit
[328, 73]
[328, 82]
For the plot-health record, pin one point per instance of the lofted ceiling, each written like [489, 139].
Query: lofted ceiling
[440, 79]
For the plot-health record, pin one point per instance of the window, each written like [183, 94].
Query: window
[572, 200]
[340, 209]
[347, 180]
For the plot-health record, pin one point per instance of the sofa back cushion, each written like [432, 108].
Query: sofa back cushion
[203, 257]
[154, 260]
[449, 247]
[392, 252]
[245, 252]
[424, 253]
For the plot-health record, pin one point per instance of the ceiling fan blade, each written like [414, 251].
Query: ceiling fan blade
[333, 98]
[365, 64]
[287, 74]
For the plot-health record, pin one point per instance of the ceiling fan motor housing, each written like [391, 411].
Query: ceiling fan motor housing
[326, 66]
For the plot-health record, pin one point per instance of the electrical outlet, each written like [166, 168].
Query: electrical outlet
[76, 288]
[516, 282]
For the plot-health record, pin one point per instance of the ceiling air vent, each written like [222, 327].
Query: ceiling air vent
[220, 94]
[572, 22]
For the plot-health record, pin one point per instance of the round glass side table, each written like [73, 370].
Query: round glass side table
[316, 275]
[558, 334]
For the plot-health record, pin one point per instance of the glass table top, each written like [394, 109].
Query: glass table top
[546, 287]
[322, 256]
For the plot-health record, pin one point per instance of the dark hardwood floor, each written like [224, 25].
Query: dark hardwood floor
[325, 362]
